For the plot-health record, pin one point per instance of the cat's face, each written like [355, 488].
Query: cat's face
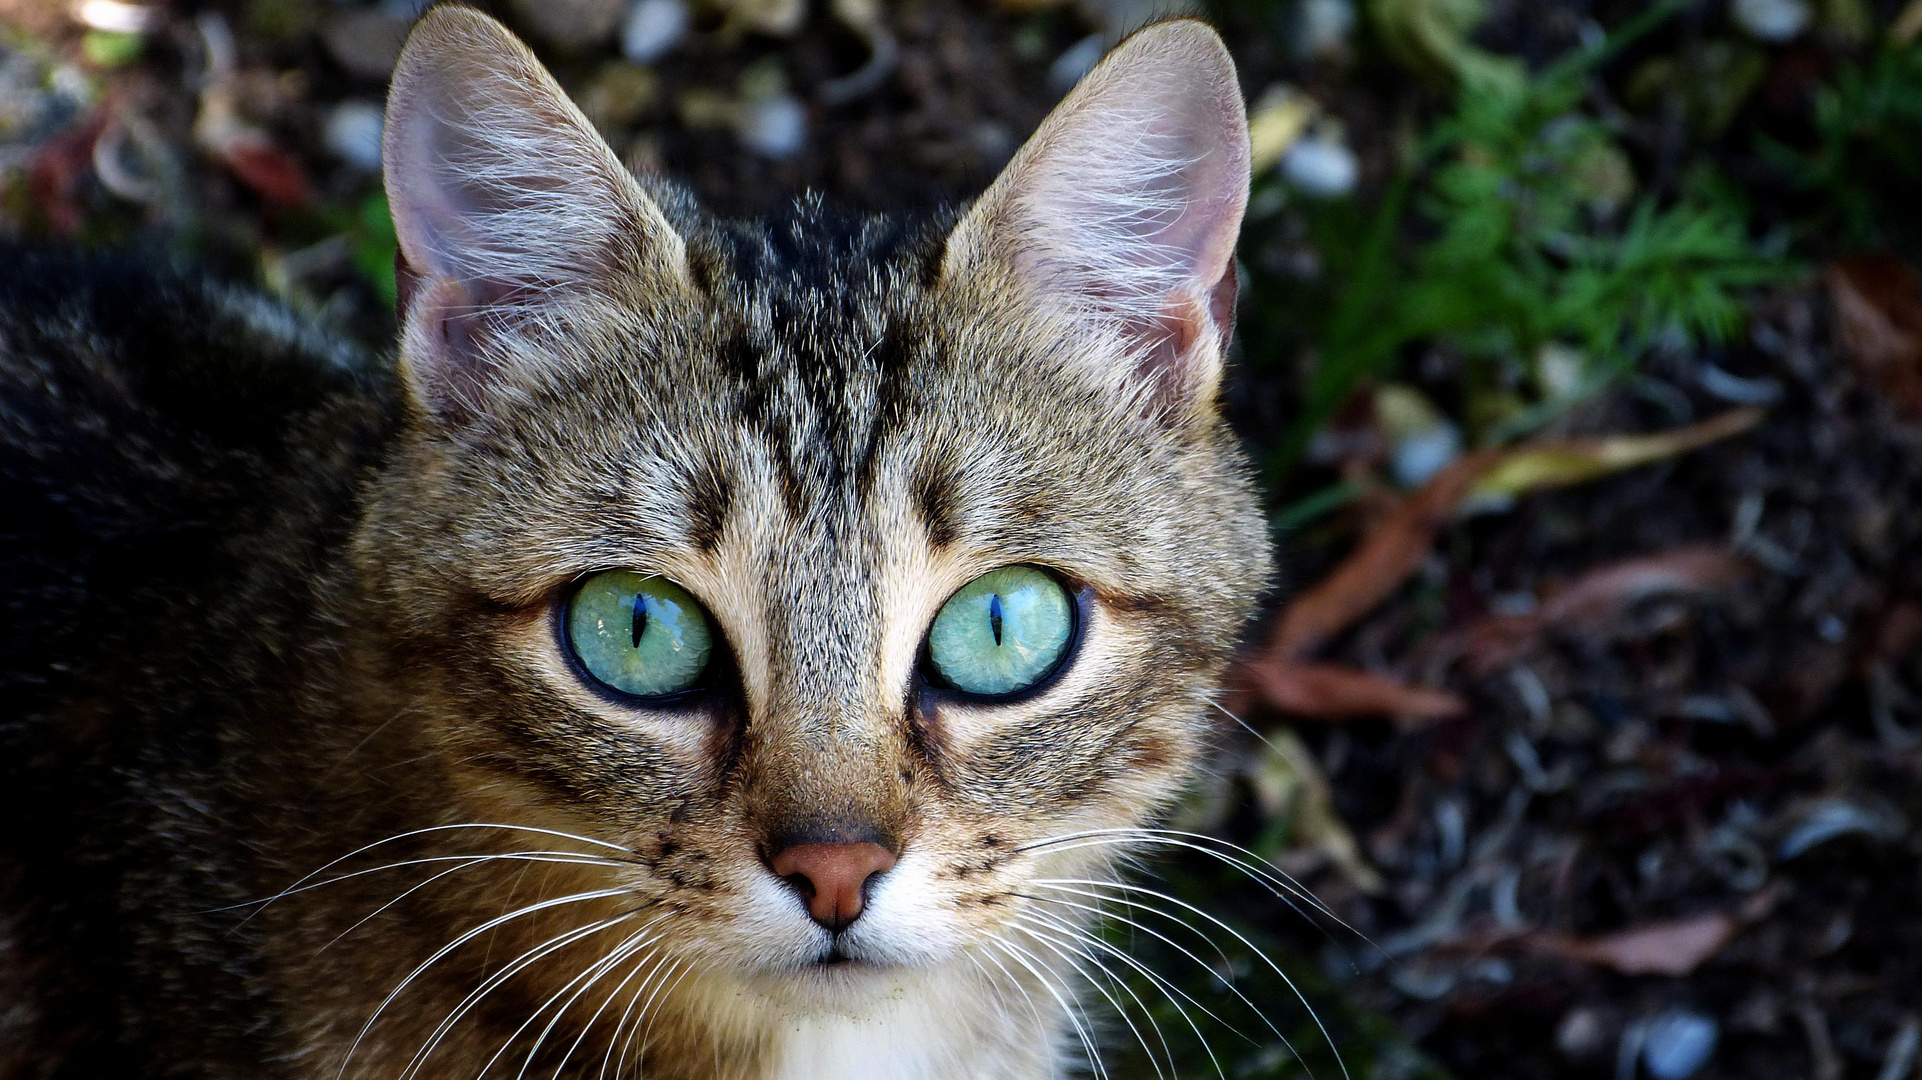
[795, 446]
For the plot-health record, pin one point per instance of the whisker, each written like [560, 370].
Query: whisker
[640, 1059]
[1169, 990]
[643, 957]
[576, 898]
[1277, 881]
[627, 947]
[424, 832]
[1041, 1022]
[1073, 1011]
[1236, 934]
[662, 964]
[1048, 942]
[465, 861]
[497, 979]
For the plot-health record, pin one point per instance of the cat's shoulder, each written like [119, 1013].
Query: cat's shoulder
[163, 435]
[126, 339]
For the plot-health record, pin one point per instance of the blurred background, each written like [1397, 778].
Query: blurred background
[1581, 359]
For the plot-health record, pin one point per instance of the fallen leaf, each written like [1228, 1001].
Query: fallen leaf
[1670, 947]
[1339, 692]
[1386, 557]
[1289, 786]
[1878, 324]
[1561, 463]
[271, 172]
[1275, 122]
[1598, 596]
[1675, 947]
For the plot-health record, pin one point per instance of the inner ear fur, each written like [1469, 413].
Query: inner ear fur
[507, 204]
[1121, 214]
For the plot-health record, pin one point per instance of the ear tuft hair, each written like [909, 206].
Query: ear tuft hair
[506, 202]
[1125, 206]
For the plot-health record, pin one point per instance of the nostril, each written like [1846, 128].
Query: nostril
[832, 879]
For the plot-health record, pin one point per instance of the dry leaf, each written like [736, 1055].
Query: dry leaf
[1671, 947]
[1275, 122]
[1338, 692]
[1288, 783]
[1600, 595]
[1674, 947]
[1878, 324]
[1558, 464]
[1389, 553]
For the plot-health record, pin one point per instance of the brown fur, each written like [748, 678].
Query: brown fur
[822, 429]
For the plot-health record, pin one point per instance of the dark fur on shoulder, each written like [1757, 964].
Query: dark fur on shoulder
[177, 460]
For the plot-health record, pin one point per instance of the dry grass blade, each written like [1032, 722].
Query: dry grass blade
[1574, 461]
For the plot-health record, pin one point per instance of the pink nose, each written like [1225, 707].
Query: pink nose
[832, 877]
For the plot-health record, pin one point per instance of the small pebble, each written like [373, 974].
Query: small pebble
[774, 127]
[1323, 27]
[1075, 61]
[1582, 1035]
[1420, 455]
[1771, 20]
[1678, 1044]
[653, 29]
[1321, 166]
[353, 133]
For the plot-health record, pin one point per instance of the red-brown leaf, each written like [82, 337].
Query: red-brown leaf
[1335, 692]
[1674, 947]
[1385, 559]
[1878, 324]
[1601, 595]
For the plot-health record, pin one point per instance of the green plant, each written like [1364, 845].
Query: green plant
[1534, 238]
[1866, 160]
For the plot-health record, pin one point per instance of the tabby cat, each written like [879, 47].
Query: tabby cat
[708, 649]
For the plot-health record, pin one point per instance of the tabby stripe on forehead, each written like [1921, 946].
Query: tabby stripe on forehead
[935, 499]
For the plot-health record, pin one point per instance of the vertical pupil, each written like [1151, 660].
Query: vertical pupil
[994, 617]
[640, 618]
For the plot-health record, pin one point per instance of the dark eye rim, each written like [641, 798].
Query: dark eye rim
[1079, 596]
[705, 686]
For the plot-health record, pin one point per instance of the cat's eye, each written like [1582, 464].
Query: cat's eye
[638, 634]
[1003, 633]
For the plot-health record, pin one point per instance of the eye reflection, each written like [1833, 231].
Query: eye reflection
[1001, 633]
[638, 634]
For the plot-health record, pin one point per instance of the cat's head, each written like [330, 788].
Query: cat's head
[830, 567]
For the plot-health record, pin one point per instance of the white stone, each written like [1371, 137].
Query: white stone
[1679, 1043]
[775, 127]
[353, 133]
[1321, 166]
[1771, 20]
[653, 29]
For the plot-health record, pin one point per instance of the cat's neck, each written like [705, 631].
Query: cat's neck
[959, 1022]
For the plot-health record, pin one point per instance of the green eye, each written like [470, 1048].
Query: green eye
[1002, 633]
[638, 633]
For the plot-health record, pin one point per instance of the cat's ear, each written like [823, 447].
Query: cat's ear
[1122, 212]
[507, 204]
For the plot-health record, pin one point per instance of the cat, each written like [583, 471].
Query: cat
[706, 649]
